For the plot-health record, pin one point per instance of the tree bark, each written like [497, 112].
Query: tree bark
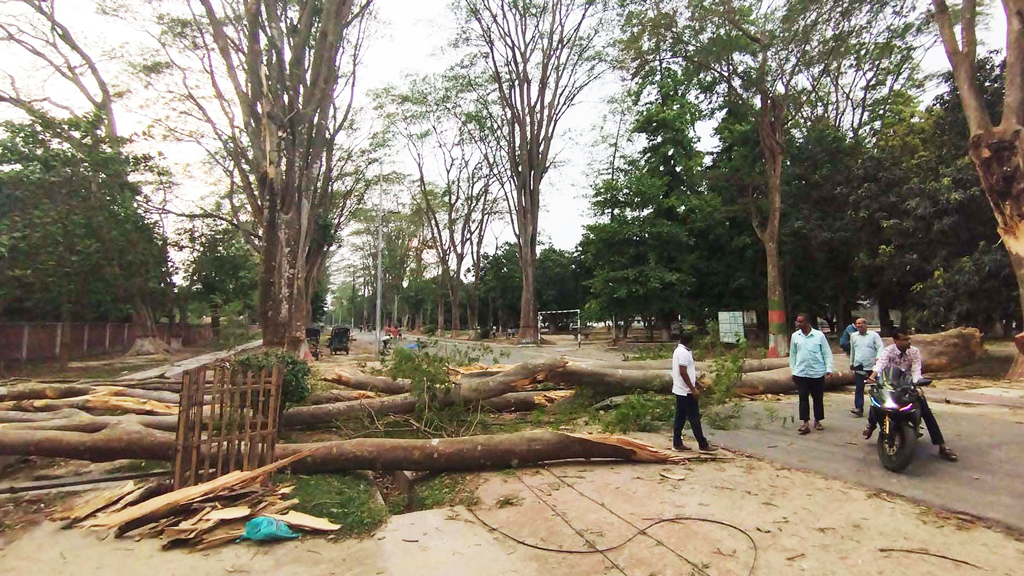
[361, 381]
[996, 151]
[529, 332]
[513, 380]
[440, 455]
[770, 125]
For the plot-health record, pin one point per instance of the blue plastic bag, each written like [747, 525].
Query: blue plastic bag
[262, 529]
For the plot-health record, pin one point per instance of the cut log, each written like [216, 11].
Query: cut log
[360, 381]
[947, 350]
[516, 379]
[613, 382]
[78, 421]
[439, 455]
[780, 381]
[33, 391]
[749, 364]
[100, 399]
[332, 396]
[526, 401]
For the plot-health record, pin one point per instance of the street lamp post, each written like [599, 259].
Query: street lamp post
[380, 226]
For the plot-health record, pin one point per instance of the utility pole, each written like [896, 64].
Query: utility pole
[380, 226]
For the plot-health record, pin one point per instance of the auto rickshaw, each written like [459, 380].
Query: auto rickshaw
[313, 341]
[339, 339]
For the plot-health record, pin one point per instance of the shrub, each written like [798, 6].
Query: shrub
[430, 329]
[297, 373]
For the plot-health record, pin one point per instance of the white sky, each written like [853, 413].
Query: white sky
[409, 39]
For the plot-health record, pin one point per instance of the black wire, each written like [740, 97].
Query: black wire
[569, 524]
[595, 550]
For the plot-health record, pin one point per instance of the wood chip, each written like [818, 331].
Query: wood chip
[672, 476]
[233, 513]
[305, 521]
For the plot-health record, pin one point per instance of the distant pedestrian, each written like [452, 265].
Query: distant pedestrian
[684, 387]
[864, 349]
[844, 340]
[810, 361]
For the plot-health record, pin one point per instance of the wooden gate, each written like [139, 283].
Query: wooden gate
[227, 421]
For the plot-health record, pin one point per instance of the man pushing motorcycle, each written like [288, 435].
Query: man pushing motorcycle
[900, 354]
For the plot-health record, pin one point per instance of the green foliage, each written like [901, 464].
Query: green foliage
[640, 412]
[234, 328]
[717, 401]
[297, 373]
[430, 329]
[73, 241]
[445, 490]
[221, 270]
[651, 353]
[344, 499]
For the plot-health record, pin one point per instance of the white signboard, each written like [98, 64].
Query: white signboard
[730, 327]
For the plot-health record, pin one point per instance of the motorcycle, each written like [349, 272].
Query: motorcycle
[895, 410]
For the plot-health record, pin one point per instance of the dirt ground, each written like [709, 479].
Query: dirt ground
[800, 523]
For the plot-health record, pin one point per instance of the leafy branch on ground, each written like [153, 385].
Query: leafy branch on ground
[297, 373]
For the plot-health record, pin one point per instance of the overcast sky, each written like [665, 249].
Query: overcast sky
[410, 38]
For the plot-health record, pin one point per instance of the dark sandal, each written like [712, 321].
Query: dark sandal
[818, 426]
[948, 455]
[803, 430]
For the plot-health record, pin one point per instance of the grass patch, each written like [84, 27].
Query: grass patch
[641, 412]
[344, 499]
[445, 490]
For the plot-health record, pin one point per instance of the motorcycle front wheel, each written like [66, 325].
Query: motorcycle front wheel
[896, 449]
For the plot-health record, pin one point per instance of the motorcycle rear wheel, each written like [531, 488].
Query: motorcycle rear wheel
[896, 455]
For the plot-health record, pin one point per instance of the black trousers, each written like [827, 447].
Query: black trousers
[687, 408]
[811, 388]
[929, 421]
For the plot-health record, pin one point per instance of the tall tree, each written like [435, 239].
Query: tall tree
[995, 148]
[771, 56]
[456, 198]
[539, 56]
[273, 85]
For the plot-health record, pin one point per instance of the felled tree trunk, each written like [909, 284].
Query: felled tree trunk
[513, 380]
[780, 381]
[58, 391]
[440, 455]
[749, 364]
[947, 350]
[361, 381]
[332, 396]
[612, 382]
[526, 401]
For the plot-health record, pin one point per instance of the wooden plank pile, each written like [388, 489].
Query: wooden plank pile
[200, 516]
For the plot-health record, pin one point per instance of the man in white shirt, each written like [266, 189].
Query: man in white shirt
[684, 387]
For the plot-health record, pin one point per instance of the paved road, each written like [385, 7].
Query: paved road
[986, 482]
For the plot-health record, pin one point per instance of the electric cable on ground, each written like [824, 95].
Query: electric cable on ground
[639, 530]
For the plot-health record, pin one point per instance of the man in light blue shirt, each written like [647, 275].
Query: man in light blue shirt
[864, 349]
[810, 361]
